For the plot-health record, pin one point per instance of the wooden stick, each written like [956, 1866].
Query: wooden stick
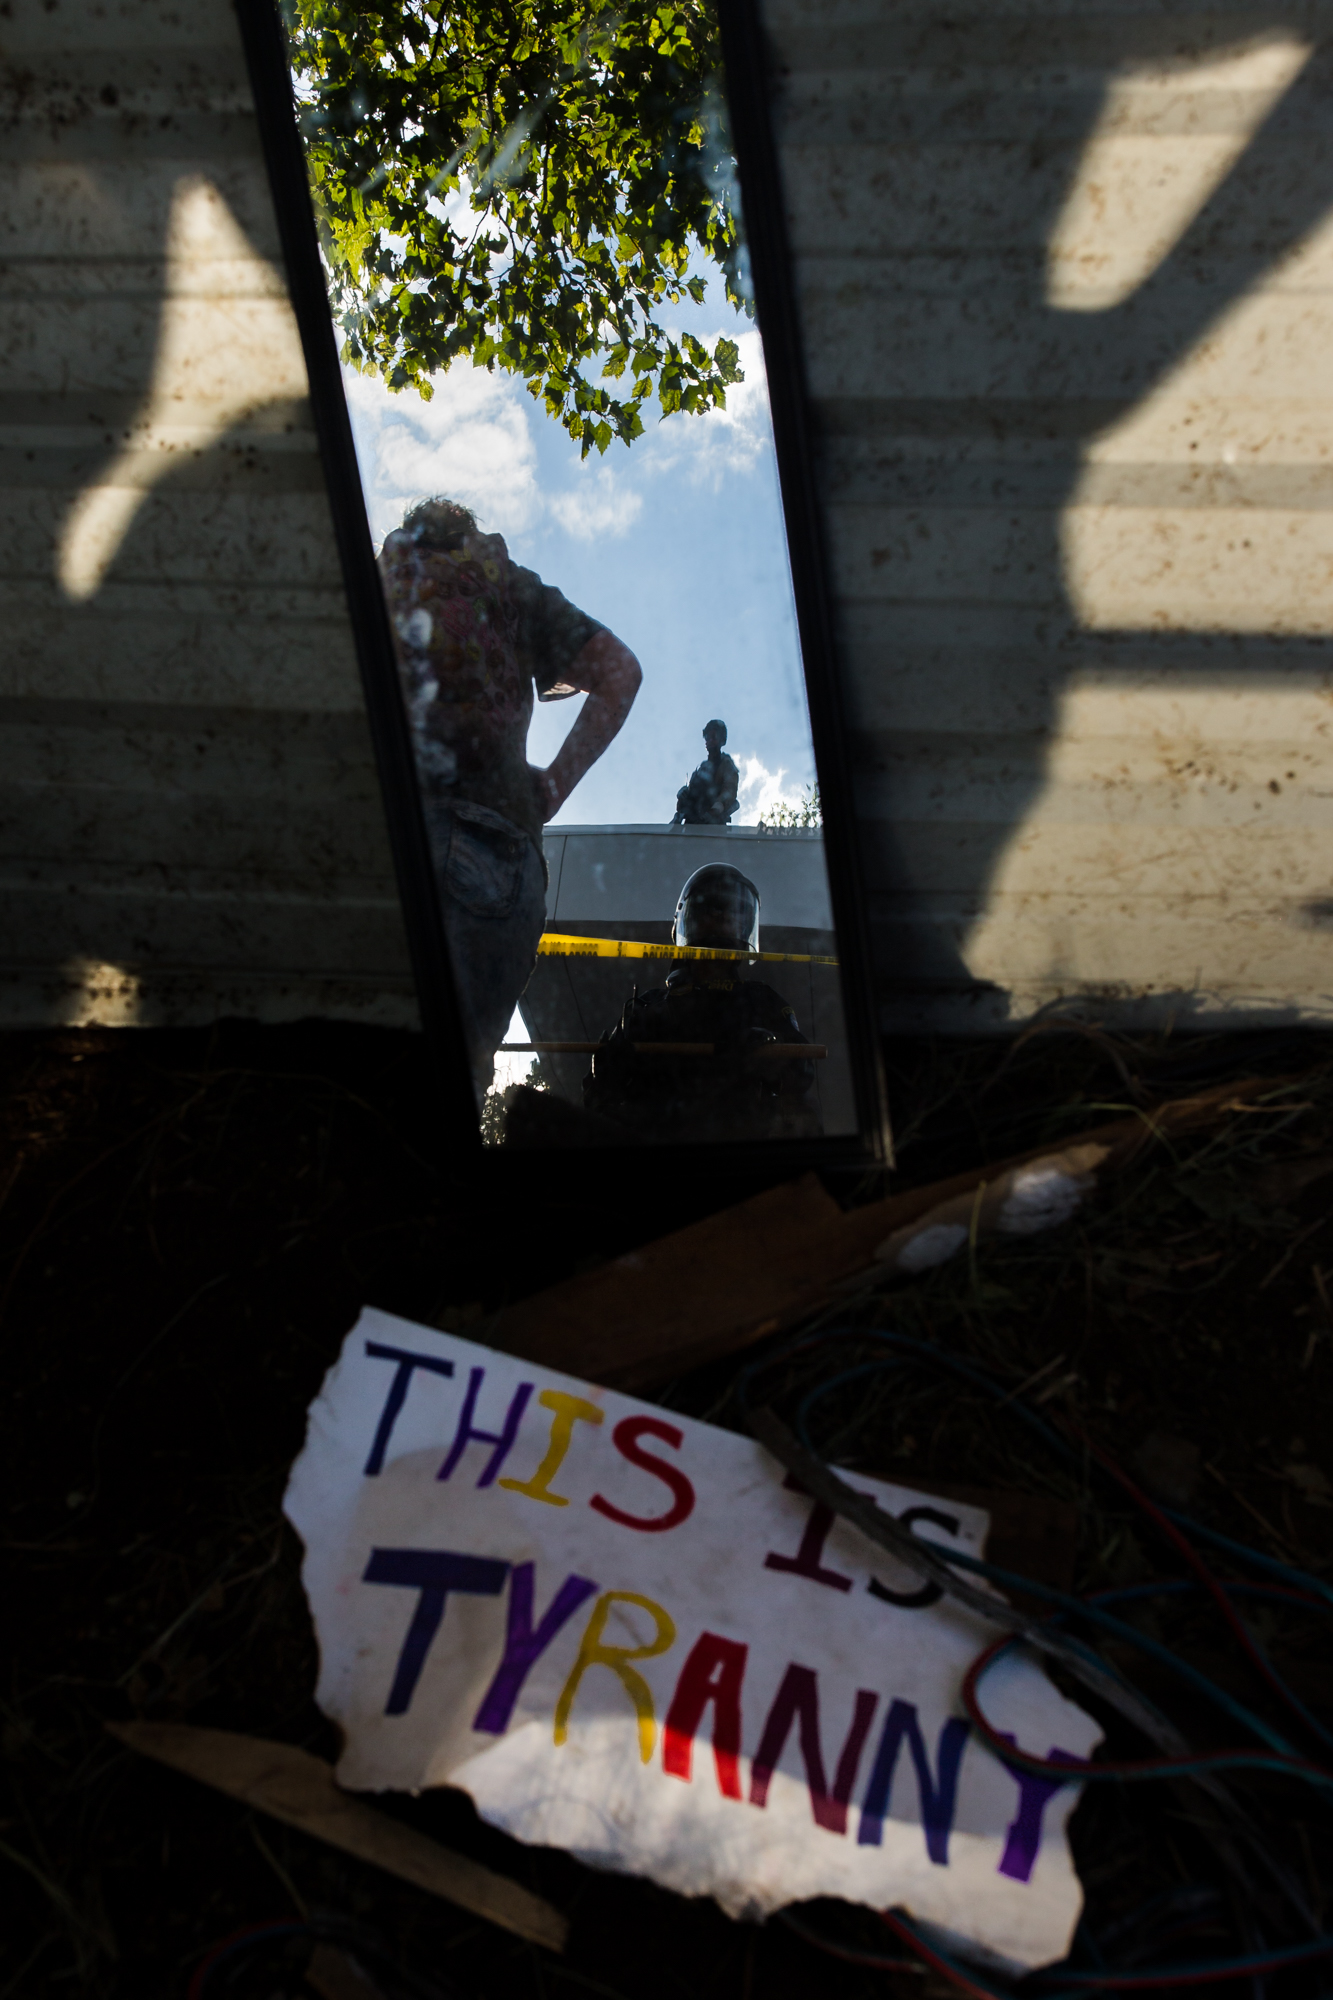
[291, 1785]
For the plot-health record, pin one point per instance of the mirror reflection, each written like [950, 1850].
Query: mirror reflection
[533, 246]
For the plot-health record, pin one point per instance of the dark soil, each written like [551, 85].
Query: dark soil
[190, 1223]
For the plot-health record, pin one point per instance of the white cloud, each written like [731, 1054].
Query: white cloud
[472, 441]
[762, 789]
[708, 447]
[599, 506]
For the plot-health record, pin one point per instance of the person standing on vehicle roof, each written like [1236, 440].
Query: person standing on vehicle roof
[475, 633]
[712, 795]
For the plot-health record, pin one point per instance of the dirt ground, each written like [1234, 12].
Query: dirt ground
[190, 1223]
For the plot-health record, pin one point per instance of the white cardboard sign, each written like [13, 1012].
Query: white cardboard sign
[626, 1634]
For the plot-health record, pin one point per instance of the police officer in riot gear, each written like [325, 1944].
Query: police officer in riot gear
[745, 1089]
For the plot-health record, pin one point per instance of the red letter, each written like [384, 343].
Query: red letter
[863, 1714]
[797, 1700]
[625, 1438]
[712, 1673]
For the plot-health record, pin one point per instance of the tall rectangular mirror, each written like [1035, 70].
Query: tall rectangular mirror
[532, 257]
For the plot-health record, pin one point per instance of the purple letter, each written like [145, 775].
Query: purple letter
[397, 1396]
[523, 1645]
[503, 1440]
[937, 1800]
[434, 1572]
[1023, 1839]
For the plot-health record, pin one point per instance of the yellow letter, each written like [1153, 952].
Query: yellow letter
[592, 1653]
[568, 1411]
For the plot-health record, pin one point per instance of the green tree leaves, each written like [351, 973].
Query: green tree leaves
[784, 818]
[524, 182]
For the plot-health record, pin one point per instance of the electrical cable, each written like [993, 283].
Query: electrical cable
[1191, 1975]
[1139, 1769]
[1188, 1904]
[1088, 1667]
[1127, 1698]
[873, 1961]
[237, 1942]
[1170, 1521]
[1175, 1586]
[1297, 1588]
[320, 1927]
[1067, 1979]
[1241, 1552]
[939, 1961]
[1180, 1542]
[1087, 1608]
[1283, 1757]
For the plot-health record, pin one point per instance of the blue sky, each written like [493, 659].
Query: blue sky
[675, 543]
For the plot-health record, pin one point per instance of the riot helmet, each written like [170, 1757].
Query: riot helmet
[718, 907]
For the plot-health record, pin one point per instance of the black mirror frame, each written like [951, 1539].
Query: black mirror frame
[753, 1164]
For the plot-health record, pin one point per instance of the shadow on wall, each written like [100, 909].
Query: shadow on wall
[1099, 539]
[189, 810]
[226, 365]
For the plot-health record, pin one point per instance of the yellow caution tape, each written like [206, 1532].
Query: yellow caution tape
[554, 944]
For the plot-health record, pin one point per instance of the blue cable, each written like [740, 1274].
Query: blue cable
[1064, 1982]
[1176, 1586]
[282, 1927]
[922, 1350]
[1242, 1552]
[1077, 1606]
[1200, 1972]
[1066, 1979]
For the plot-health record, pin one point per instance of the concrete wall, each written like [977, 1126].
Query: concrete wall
[1063, 269]
[608, 874]
[1064, 276]
[190, 821]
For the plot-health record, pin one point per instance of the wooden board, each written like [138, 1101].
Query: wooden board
[292, 1785]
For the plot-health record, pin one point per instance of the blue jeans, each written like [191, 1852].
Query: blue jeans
[492, 883]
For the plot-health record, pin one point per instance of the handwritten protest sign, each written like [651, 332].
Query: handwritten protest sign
[625, 1634]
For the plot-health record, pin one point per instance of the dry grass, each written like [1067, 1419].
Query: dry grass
[188, 1229]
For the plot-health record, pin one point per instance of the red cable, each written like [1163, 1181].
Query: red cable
[1201, 1975]
[226, 1944]
[1095, 1982]
[1141, 1768]
[1182, 1544]
[873, 1960]
[937, 1964]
